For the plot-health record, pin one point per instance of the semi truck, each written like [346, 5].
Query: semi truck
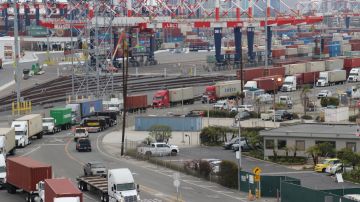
[354, 75]
[118, 185]
[95, 123]
[7, 141]
[269, 83]
[221, 90]
[26, 174]
[112, 115]
[27, 127]
[171, 97]
[59, 190]
[329, 78]
[133, 103]
[291, 83]
[60, 119]
[84, 108]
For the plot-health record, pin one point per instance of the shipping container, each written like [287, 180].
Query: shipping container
[310, 77]
[34, 124]
[250, 73]
[227, 88]
[271, 71]
[89, 107]
[334, 64]
[62, 116]
[292, 69]
[134, 102]
[144, 123]
[291, 51]
[355, 46]
[178, 94]
[60, 188]
[7, 141]
[315, 66]
[24, 173]
[277, 53]
[351, 62]
[270, 83]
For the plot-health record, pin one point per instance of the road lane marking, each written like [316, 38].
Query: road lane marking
[69, 155]
[292, 172]
[174, 198]
[35, 149]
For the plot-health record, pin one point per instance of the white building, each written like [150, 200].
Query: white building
[7, 48]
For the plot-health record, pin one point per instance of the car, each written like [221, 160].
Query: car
[240, 108]
[83, 144]
[244, 146]
[265, 98]
[243, 115]
[221, 104]
[324, 93]
[227, 145]
[195, 113]
[321, 167]
[94, 168]
[281, 115]
[338, 168]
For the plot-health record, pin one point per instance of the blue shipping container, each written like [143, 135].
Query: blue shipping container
[144, 123]
[89, 107]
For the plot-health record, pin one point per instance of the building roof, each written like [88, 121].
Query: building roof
[337, 131]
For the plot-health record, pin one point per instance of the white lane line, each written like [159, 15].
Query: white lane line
[292, 172]
[53, 144]
[7, 85]
[35, 149]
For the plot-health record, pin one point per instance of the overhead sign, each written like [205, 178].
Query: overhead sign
[257, 171]
[37, 31]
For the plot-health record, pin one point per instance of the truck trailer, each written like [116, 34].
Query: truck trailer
[27, 127]
[330, 78]
[291, 83]
[63, 190]
[118, 185]
[23, 173]
[171, 97]
[221, 90]
[84, 108]
[60, 119]
[7, 141]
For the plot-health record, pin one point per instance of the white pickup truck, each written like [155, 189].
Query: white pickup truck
[269, 115]
[158, 149]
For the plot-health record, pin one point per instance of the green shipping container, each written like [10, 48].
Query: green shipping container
[61, 115]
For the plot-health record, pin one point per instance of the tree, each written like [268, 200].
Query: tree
[315, 152]
[253, 138]
[326, 101]
[348, 156]
[160, 133]
[294, 150]
[326, 149]
[228, 174]
[304, 97]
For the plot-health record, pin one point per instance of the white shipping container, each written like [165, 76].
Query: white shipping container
[227, 89]
[334, 64]
[168, 45]
[345, 47]
[192, 37]
[336, 115]
[7, 140]
[316, 66]
[293, 69]
[34, 122]
[179, 94]
[291, 51]
[304, 49]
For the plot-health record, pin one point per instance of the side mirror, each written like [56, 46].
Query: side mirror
[138, 187]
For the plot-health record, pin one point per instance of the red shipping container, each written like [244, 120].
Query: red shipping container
[270, 83]
[277, 53]
[292, 46]
[136, 102]
[351, 62]
[274, 71]
[24, 173]
[309, 77]
[250, 74]
[355, 46]
[354, 41]
[58, 188]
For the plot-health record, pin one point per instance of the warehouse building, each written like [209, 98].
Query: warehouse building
[303, 136]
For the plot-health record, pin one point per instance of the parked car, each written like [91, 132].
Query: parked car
[83, 144]
[244, 146]
[321, 167]
[324, 93]
[195, 113]
[94, 168]
[240, 108]
[338, 168]
[265, 98]
[282, 115]
[221, 104]
[227, 145]
[243, 115]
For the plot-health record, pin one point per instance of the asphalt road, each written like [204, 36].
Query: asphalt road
[156, 183]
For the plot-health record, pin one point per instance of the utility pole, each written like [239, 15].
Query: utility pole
[16, 44]
[125, 74]
[239, 162]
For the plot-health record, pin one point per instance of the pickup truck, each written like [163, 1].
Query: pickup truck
[269, 115]
[80, 133]
[158, 149]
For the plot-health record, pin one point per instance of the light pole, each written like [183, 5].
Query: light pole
[182, 112]
[208, 111]
[239, 160]
[273, 98]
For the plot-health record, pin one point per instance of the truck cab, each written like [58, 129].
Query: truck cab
[80, 133]
[161, 99]
[210, 95]
[21, 136]
[48, 125]
[250, 85]
[289, 84]
[354, 75]
[323, 79]
[114, 104]
[121, 185]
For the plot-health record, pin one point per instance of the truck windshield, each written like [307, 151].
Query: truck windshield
[125, 187]
[80, 131]
[158, 98]
[322, 78]
[288, 83]
[47, 120]
[20, 133]
[353, 74]
[2, 169]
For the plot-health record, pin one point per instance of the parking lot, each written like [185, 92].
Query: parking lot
[308, 178]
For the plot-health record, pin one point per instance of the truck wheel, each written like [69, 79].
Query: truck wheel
[148, 154]
[39, 136]
[12, 152]
[173, 153]
[10, 189]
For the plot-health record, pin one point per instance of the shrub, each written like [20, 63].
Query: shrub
[295, 116]
[306, 117]
[253, 114]
[204, 169]
[228, 175]
[220, 113]
[327, 101]
[353, 118]
[215, 135]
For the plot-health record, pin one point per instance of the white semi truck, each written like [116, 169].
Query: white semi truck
[119, 185]
[7, 141]
[354, 75]
[330, 78]
[27, 127]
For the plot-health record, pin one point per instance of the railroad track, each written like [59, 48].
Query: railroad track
[57, 89]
